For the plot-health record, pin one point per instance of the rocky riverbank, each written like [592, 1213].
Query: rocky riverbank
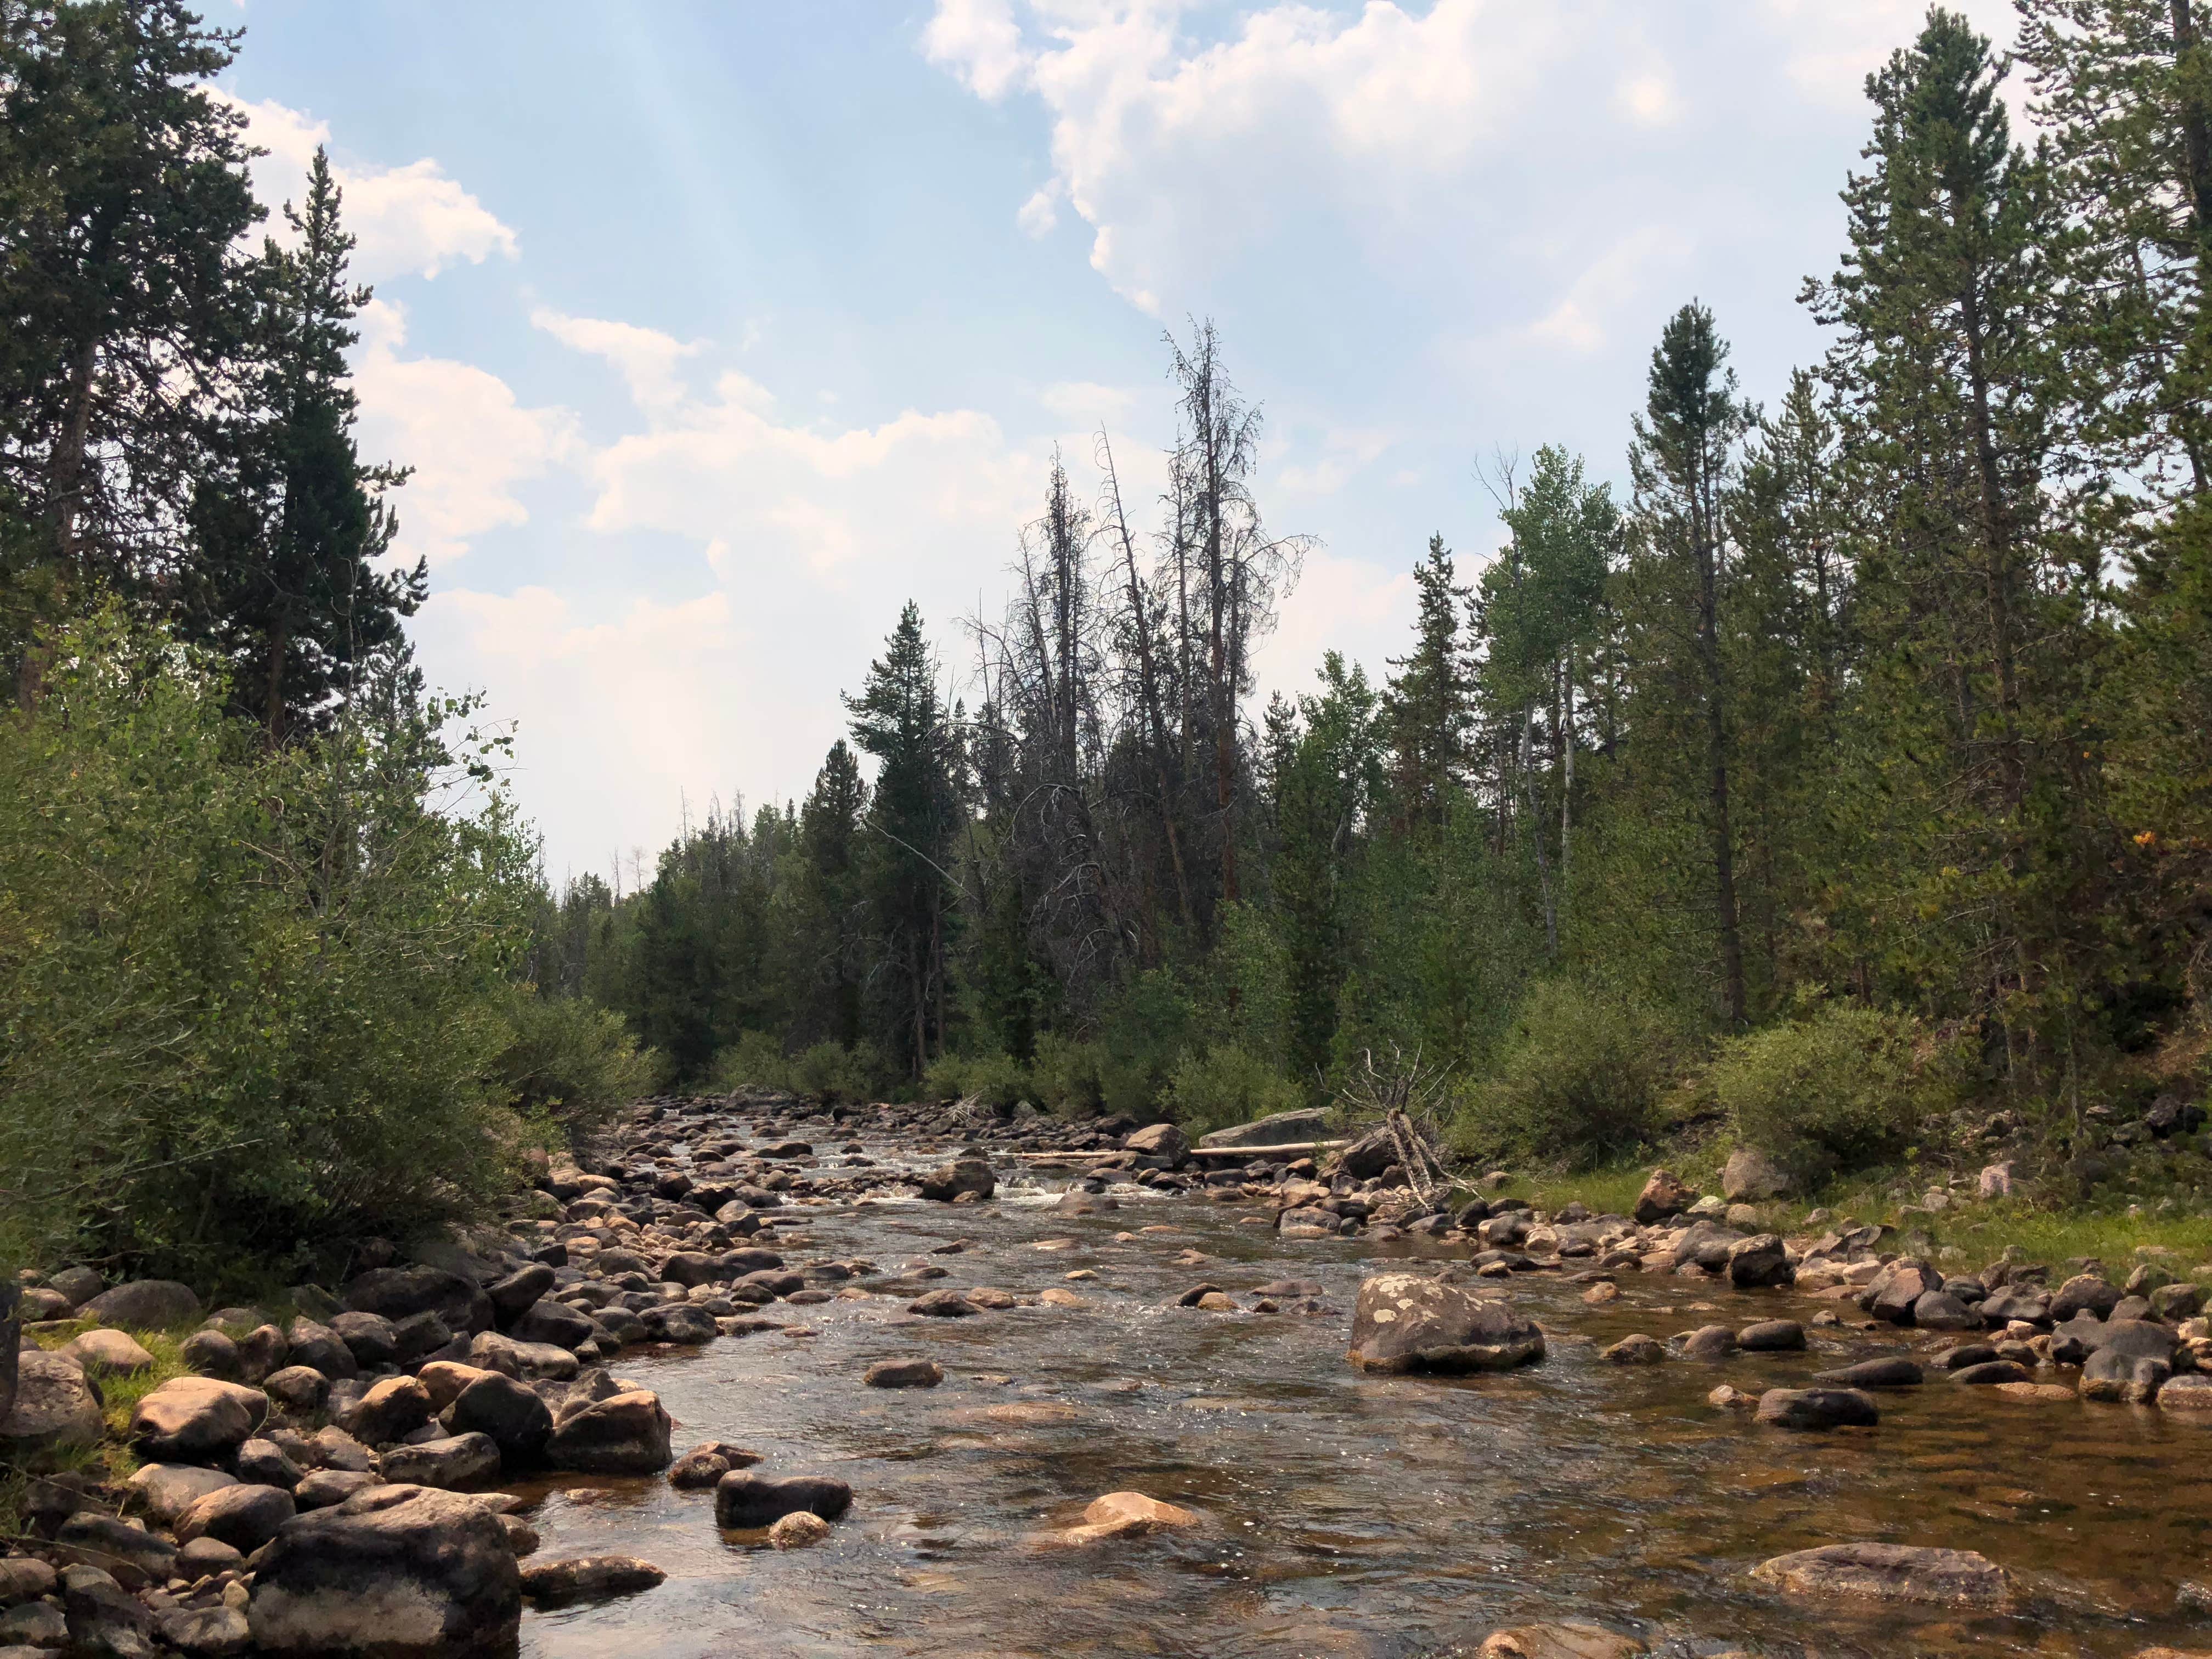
[394, 1442]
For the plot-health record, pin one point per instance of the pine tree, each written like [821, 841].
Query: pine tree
[899, 718]
[123, 191]
[1426, 705]
[292, 526]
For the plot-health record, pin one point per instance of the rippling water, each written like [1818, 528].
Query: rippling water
[1344, 1514]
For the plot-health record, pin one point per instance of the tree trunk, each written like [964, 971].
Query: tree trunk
[1723, 841]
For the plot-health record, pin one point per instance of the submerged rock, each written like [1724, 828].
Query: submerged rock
[1889, 1572]
[588, 1578]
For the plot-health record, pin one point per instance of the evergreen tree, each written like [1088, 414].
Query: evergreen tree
[1426, 705]
[292, 527]
[899, 718]
[123, 191]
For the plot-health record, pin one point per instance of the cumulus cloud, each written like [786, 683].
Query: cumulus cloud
[646, 358]
[407, 220]
[1828, 49]
[978, 41]
[471, 443]
[1580, 322]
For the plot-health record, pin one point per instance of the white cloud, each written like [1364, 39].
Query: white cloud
[1174, 152]
[1649, 99]
[1088, 404]
[1040, 214]
[646, 358]
[407, 220]
[978, 41]
[1579, 322]
[1339, 604]
[470, 443]
[1830, 48]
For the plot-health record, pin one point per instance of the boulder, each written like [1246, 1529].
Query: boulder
[1940, 1310]
[1889, 1572]
[265, 1463]
[24, 1578]
[965, 1177]
[76, 1285]
[2085, 1292]
[1126, 1514]
[454, 1462]
[2111, 1374]
[1817, 1408]
[103, 1618]
[744, 1500]
[166, 1490]
[446, 1378]
[211, 1353]
[243, 1517]
[513, 1296]
[54, 1406]
[319, 1348]
[26, 1632]
[1163, 1141]
[1282, 1128]
[625, 1434]
[214, 1633]
[1368, 1156]
[1568, 1640]
[554, 1322]
[511, 1414]
[942, 1304]
[904, 1374]
[1406, 1322]
[1663, 1195]
[322, 1488]
[800, 1530]
[400, 1292]
[1889, 1372]
[391, 1571]
[1991, 1372]
[1709, 1342]
[146, 1305]
[369, 1337]
[1893, 1293]
[1752, 1177]
[1772, 1336]
[587, 1578]
[116, 1350]
[300, 1389]
[392, 1409]
[196, 1419]
[1757, 1262]
[135, 1556]
[1637, 1349]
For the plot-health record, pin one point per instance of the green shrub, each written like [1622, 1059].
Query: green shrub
[1069, 1076]
[1000, 1081]
[252, 1003]
[572, 1062]
[837, 1073]
[755, 1061]
[1222, 1084]
[1845, 1088]
[1143, 1030]
[1577, 1080]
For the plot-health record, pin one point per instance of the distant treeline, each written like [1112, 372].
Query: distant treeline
[1867, 733]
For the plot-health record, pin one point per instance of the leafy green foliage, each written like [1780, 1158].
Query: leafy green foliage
[1222, 1084]
[998, 1081]
[1579, 1080]
[254, 1001]
[1844, 1087]
[571, 1062]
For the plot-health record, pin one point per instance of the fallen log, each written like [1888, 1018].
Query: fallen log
[1195, 1152]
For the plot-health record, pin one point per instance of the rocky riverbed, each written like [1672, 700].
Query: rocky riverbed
[744, 1389]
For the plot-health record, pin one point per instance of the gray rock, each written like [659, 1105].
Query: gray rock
[322, 1488]
[449, 1463]
[554, 1322]
[626, 1434]
[1663, 1195]
[392, 1571]
[1161, 1141]
[166, 1490]
[369, 1337]
[196, 1419]
[265, 1463]
[963, 1176]
[146, 1305]
[1889, 1572]
[243, 1517]
[587, 1578]
[300, 1389]
[1771, 1336]
[2083, 1291]
[1752, 1177]
[31, 1627]
[744, 1500]
[1757, 1262]
[319, 1348]
[205, 1557]
[943, 1304]
[392, 1409]
[132, 1556]
[398, 1292]
[511, 1414]
[1939, 1310]
[904, 1374]
[211, 1632]
[1404, 1322]
[1817, 1408]
[1708, 1342]
[212, 1354]
[54, 1406]
[24, 1578]
[2111, 1374]
[1991, 1371]
[1282, 1128]
[105, 1620]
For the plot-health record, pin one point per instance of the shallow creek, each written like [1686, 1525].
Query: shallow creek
[1345, 1514]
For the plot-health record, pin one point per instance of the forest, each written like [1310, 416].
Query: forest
[1843, 773]
[1846, 773]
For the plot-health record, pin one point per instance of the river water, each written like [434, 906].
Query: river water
[1344, 1514]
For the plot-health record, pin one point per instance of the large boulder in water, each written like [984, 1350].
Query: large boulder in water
[1281, 1129]
[391, 1571]
[1162, 1141]
[963, 1176]
[1406, 1322]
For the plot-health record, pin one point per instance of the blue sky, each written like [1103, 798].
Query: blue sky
[715, 332]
